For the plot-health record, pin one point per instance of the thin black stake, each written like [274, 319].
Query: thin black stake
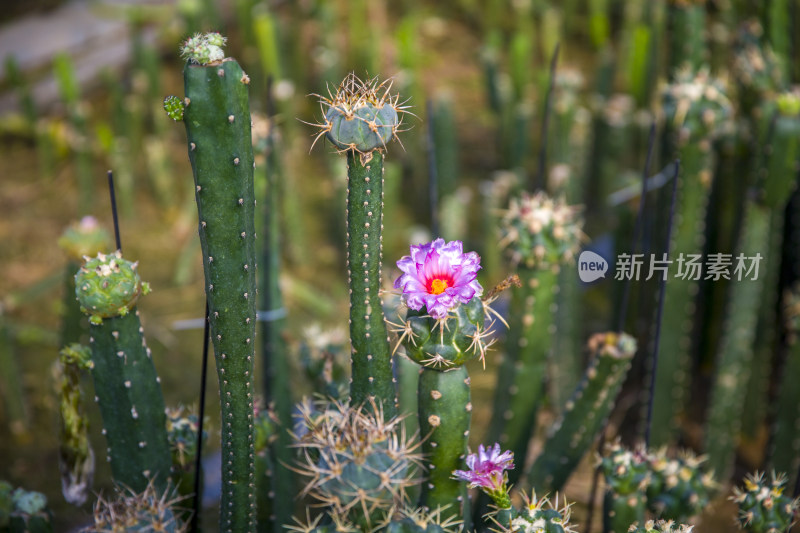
[660, 310]
[433, 174]
[542, 179]
[198, 460]
[624, 309]
[114, 209]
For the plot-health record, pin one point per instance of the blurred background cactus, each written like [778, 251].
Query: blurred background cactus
[499, 140]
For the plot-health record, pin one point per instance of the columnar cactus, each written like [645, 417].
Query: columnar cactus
[586, 411]
[763, 506]
[358, 465]
[627, 475]
[687, 30]
[679, 488]
[76, 457]
[696, 110]
[126, 385]
[360, 119]
[443, 329]
[540, 235]
[217, 119]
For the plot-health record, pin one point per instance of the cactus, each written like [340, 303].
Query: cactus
[697, 111]
[266, 429]
[763, 506]
[541, 515]
[487, 470]
[182, 428]
[687, 30]
[76, 457]
[148, 510]
[356, 463]
[126, 385]
[679, 488]
[360, 119]
[585, 413]
[540, 235]
[627, 475]
[23, 511]
[660, 526]
[217, 119]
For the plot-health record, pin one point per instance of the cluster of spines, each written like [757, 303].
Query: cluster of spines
[679, 487]
[660, 526]
[148, 510]
[541, 514]
[763, 506]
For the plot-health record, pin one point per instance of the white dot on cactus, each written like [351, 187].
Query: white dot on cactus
[235, 160]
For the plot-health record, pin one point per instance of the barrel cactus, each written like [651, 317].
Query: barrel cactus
[679, 488]
[660, 526]
[149, 510]
[108, 286]
[763, 506]
[356, 463]
[539, 515]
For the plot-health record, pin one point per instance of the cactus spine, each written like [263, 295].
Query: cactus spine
[127, 388]
[763, 506]
[217, 119]
[586, 411]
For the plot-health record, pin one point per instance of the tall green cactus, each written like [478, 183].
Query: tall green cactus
[361, 118]
[697, 110]
[127, 388]
[217, 119]
[590, 405]
[687, 30]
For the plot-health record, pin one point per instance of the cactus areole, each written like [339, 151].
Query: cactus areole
[217, 119]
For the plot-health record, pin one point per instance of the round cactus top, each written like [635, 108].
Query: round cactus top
[543, 515]
[763, 506]
[661, 526]
[697, 104]
[108, 286]
[204, 48]
[541, 232]
[361, 115]
[84, 238]
[611, 344]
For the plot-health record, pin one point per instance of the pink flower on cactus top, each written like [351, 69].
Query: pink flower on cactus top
[439, 276]
[487, 468]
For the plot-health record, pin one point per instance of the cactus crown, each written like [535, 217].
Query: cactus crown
[755, 65]
[204, 49]
[679, 487]
[619, 345]
[697, 104]
[108, 286]
[541, 232]
[626, 471]
[538, 515]
[357, 463]
[174, 108]
[361, 115]
[763, 506]
[182, 428]
[148, 510]
[84, 238]
[661, 526]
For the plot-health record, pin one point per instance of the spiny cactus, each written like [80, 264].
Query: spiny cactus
[660, 526]
[627, 475]
[540, 235]
[149, 510]
[586, 411]
[763, 506]
[127, 387]
[266, 431]
[697, 111]
[541, 515]
[76, 457]
[679, 488]
[360, 119]
[357, 463]
[23, 511]
[182, 430]
[687, 30]
[217, 120]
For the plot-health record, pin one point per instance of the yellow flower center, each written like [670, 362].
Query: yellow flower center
[438, 286]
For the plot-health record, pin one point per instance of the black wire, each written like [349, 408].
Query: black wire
[114, 209]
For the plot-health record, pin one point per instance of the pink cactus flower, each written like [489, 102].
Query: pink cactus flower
[487, 468]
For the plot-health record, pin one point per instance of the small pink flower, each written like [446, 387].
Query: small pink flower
[439, 276]
[487, 468]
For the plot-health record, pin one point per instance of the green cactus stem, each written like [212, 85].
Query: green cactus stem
[182, 428]
[217, 119]
[444, 418]
[540, 235]
[266, 429]
[127, 388]
[627, 475]
[697, 112]
[586, 411]
[76, 457]
[687, 30]
[763, 506]
[360, 119]
[736, 349]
